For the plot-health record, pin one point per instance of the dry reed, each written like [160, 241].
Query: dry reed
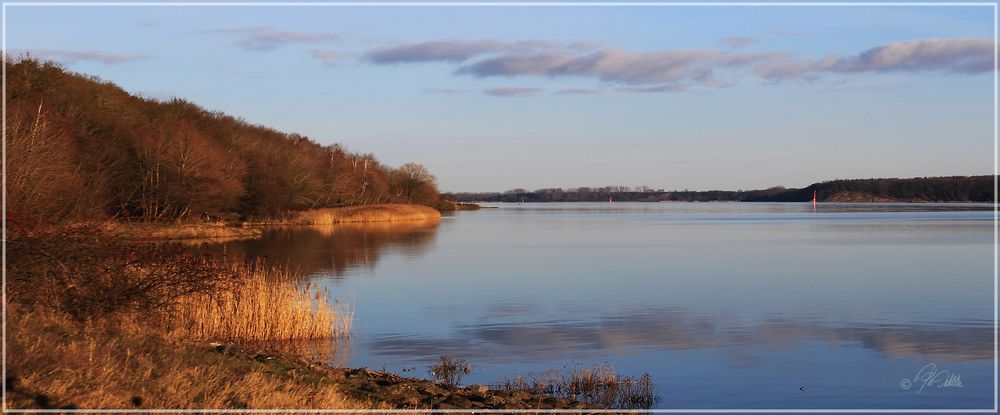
[369, 213]
[598, 385]
[265, 304]
[180, 231]
[57, 362]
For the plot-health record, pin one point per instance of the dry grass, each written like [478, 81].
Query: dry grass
[136, 231]
[95, 322]
[371, 229]
[182, 231]
[57, 362]
[598, 385]
[369, 213]
[266, 304]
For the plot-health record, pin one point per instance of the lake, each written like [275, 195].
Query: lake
[726, 305]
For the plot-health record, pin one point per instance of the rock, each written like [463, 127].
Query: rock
[403, 395]
[522, 395]
[406, 399]
[480, 389]
[432, 390]
[436, 399]
[459, 401]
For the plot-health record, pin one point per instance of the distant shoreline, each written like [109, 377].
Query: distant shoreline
[965, 189]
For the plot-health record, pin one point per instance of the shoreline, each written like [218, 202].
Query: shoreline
[221, 231]
[386, 389]
[353, 214]
[157, 232]
[229, 376]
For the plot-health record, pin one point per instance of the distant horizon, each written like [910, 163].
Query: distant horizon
[658, 188]
[667, 97]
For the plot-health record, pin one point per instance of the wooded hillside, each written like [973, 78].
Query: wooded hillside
[79, 147]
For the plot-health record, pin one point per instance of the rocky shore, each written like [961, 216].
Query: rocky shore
[388, 390]
[409, 393]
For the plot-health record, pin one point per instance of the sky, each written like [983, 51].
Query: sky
[496, 98]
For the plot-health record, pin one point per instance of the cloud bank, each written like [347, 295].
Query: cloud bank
[511, 91]
[437, 51]
[679, 69]
[966, 56]
[617, 65]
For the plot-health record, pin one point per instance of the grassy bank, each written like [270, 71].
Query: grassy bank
[217, 231]
[358, 214]
[181, 231]
[96, 321]
[58, 362]
[55, 362]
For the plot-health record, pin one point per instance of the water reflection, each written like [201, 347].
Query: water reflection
[665, 329]
[335, 250]
[752, 298]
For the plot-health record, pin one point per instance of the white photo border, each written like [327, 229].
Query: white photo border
[595, 4]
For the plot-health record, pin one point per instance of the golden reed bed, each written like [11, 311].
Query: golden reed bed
[180, 232]
[216, 231]
[55, 362]
[359, 214]
[266, 304]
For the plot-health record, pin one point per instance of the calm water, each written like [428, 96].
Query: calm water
[727, 305]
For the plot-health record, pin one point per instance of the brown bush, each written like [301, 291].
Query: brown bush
[86, 272]
[449, 371]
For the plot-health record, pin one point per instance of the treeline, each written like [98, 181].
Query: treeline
[79, 147]
[920, 189]
[603, 194]
[917, 189]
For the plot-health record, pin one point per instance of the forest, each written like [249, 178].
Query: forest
[81, 148]
[918, 189]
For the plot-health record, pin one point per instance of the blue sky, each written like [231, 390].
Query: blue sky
[498, 98]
